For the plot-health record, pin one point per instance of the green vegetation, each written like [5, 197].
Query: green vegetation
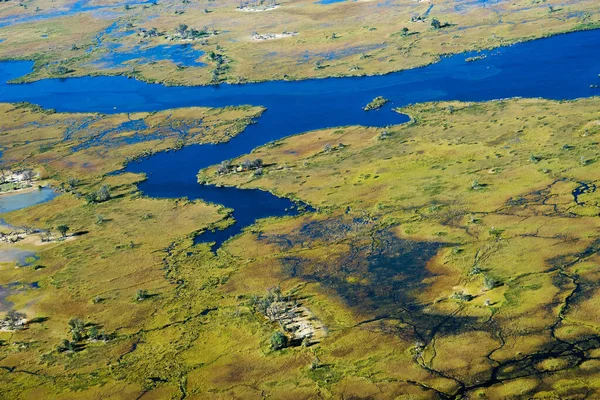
[62, 229]
[454, 233]
[278, 341]
[397, 35]
[515, 271]
[376, 104]
[454, 256]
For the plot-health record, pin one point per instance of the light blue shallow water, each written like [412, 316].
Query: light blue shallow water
[78, 6]
[12, 202]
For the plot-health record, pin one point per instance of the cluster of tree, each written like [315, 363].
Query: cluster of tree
[220, 66]
[328, 148]
[11, 176]
[28, 174]
[13, 321]
[376, 103]
[216, 57]
[436, 24]
[185, 32]
[79, 331]
[62, 70]
[72, 183]
[246, 165]
[99, 196]
[262, 304]
[257, 3]
[152, 32]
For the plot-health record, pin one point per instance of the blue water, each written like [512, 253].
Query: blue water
[561, 67]
[330, 1]
[181, 54]
[20, 256]
[12, 289]
[78, 7]
[17, 201]
[115, 55]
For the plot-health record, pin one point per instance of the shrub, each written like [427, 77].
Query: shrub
[278, 341]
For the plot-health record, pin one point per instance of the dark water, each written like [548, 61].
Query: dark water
[561, 67]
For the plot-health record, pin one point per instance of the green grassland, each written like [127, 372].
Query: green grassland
[118, 246]
[348, 38]
[448, 257]
[480, 195]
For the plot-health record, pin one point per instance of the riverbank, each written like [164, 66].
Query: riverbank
[350, 49]
[474, 223]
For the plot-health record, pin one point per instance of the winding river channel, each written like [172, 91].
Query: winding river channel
[561, 67]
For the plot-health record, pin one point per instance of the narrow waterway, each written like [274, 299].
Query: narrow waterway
[560, 67]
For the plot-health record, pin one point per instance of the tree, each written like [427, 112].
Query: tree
[490, 283]
[93, 333]
[224, 167]
[72, 182]
[76, 325]
[103, 193]
[141, 294]
[436, 24]
[65, 346]
[91, 197]
[181, 29]
[28, 175]
[14, 317]
[404, 31]
[278, 341]
[45, 235]
[63, 229]
[246, 164]
[76, 336]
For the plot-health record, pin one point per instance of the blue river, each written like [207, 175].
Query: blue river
[560, 67]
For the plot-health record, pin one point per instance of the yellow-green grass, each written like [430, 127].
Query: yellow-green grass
[83, 146]
[348, 38]
[113, 248]
[397, 327]
[518, 224]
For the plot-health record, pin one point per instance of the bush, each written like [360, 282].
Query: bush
[278, 341]
[99, 196]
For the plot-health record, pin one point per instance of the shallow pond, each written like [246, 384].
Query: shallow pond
[16, 201]
[20, 256]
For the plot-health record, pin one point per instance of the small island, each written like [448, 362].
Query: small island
[376, 104]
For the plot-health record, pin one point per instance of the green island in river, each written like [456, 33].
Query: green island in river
[452, 254]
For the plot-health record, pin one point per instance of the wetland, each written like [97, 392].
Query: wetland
[443, 244]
